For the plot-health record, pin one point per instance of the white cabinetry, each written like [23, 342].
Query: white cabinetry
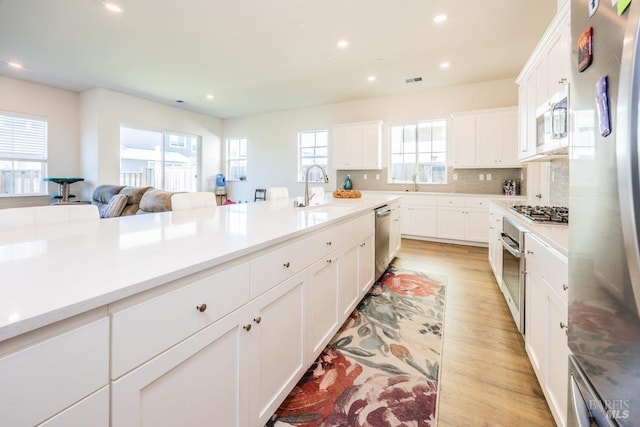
[181, 385]
[323, 302]
[486, 138]
[419, 215]
[542, 76]
[395, 238]
[461, 218]
[357, 146]
[546, 322]
[495, 243]
[273, 371]
[46, 379]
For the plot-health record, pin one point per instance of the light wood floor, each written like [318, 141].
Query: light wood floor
[486, 377]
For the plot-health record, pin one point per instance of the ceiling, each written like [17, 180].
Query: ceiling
[259, 56]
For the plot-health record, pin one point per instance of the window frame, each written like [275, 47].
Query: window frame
[416, 170]
[240, 158]
[38, 156]
[325, 164]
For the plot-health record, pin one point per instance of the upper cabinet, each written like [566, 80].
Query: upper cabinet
[486, 138]
[357, 146]
[544, 74]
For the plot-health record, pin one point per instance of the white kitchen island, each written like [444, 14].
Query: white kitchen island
[189, 317]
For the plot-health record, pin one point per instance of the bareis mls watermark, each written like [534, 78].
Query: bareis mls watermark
[615, 409]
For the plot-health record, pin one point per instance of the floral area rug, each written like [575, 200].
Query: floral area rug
[382, 367]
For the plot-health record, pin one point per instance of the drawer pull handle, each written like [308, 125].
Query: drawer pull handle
[529, 252]
[201, 307]
[257, 319]
[565, 287]
[329, 243]
[286, 264]
[362, 245]
[563, 325]
[247, 327]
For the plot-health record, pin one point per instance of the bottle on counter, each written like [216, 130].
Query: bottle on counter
[347, 185]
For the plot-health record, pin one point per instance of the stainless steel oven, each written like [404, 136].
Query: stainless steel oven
[513, 277]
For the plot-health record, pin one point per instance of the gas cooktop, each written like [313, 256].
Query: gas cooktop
[543, 214]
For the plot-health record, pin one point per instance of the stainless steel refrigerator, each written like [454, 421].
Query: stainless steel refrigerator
[604, 260]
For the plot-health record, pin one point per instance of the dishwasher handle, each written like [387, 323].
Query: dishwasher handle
[512, 250]
[383, 211]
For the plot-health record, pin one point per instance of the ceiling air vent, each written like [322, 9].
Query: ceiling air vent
[413, 80]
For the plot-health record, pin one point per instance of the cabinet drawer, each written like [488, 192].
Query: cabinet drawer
[278, 265]
[451, 201]
[555, 270]
[477, 202]
[419, 200]
[146, 329]
[44, 379]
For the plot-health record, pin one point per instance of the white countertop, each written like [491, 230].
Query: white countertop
[555, 235]
[52, 273]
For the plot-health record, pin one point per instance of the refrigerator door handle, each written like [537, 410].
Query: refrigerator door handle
[582, 417]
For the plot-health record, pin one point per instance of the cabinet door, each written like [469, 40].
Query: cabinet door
[542, 81]
[277, 346]
[530, 125]
[477, 225]
[371, 147]
[395, 240]
[464, 141]
[535, 315]
[558, 355]
[92, 411]
[406, 213]
[558, 55]
[349, 287]
[323, 303]
[366, 263]
[199, 380]
[424, 221]
[495, 244]
[342, 149]
[487, 140]
[508, 139]
[451, 223]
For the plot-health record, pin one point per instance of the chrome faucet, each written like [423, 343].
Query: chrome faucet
[306, 182]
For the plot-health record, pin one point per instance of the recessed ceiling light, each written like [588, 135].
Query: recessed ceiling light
[112, 7]
[440, 18]
[209, 96]
[445, 65]
[371, 78]
[16, 65]
[343, 43]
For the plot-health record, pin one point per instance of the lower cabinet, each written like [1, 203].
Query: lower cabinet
[323, 302]
[201, 379]
[419, 220]
[395, 237]
[277, 346]
[466, 224]
[495, 243]
[546, 322]
[366, 265]
[90, 411]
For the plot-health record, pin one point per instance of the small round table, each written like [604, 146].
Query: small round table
[63, 187]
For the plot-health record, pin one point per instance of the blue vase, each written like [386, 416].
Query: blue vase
[347, 185]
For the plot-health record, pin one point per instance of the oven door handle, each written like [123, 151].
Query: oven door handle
[513, 251]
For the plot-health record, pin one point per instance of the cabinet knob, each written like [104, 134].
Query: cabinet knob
[247, 327]
[201, 307]
[565, 286]
[363, 244]
[329, 261]
[529, 252]
[328, 243]
[286, 264]
[257, 319]
[563, 325]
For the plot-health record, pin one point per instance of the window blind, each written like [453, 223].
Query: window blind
[23, 138]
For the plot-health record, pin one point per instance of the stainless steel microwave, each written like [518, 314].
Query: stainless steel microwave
[552, 124]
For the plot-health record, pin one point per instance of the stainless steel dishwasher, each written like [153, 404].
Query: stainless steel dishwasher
[383, 223]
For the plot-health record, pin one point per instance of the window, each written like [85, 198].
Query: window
[158, 159]
[23, 154]
[236, 159]
[419, 150]
[312, 149]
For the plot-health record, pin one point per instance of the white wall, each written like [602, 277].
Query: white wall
[272, 137]
[60, 108]
[104, 111]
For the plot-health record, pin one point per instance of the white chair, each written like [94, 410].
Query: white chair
[277, 193]
[43, 215]
[194, 200]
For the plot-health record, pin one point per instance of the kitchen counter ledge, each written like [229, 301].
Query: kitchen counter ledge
[56, 272]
